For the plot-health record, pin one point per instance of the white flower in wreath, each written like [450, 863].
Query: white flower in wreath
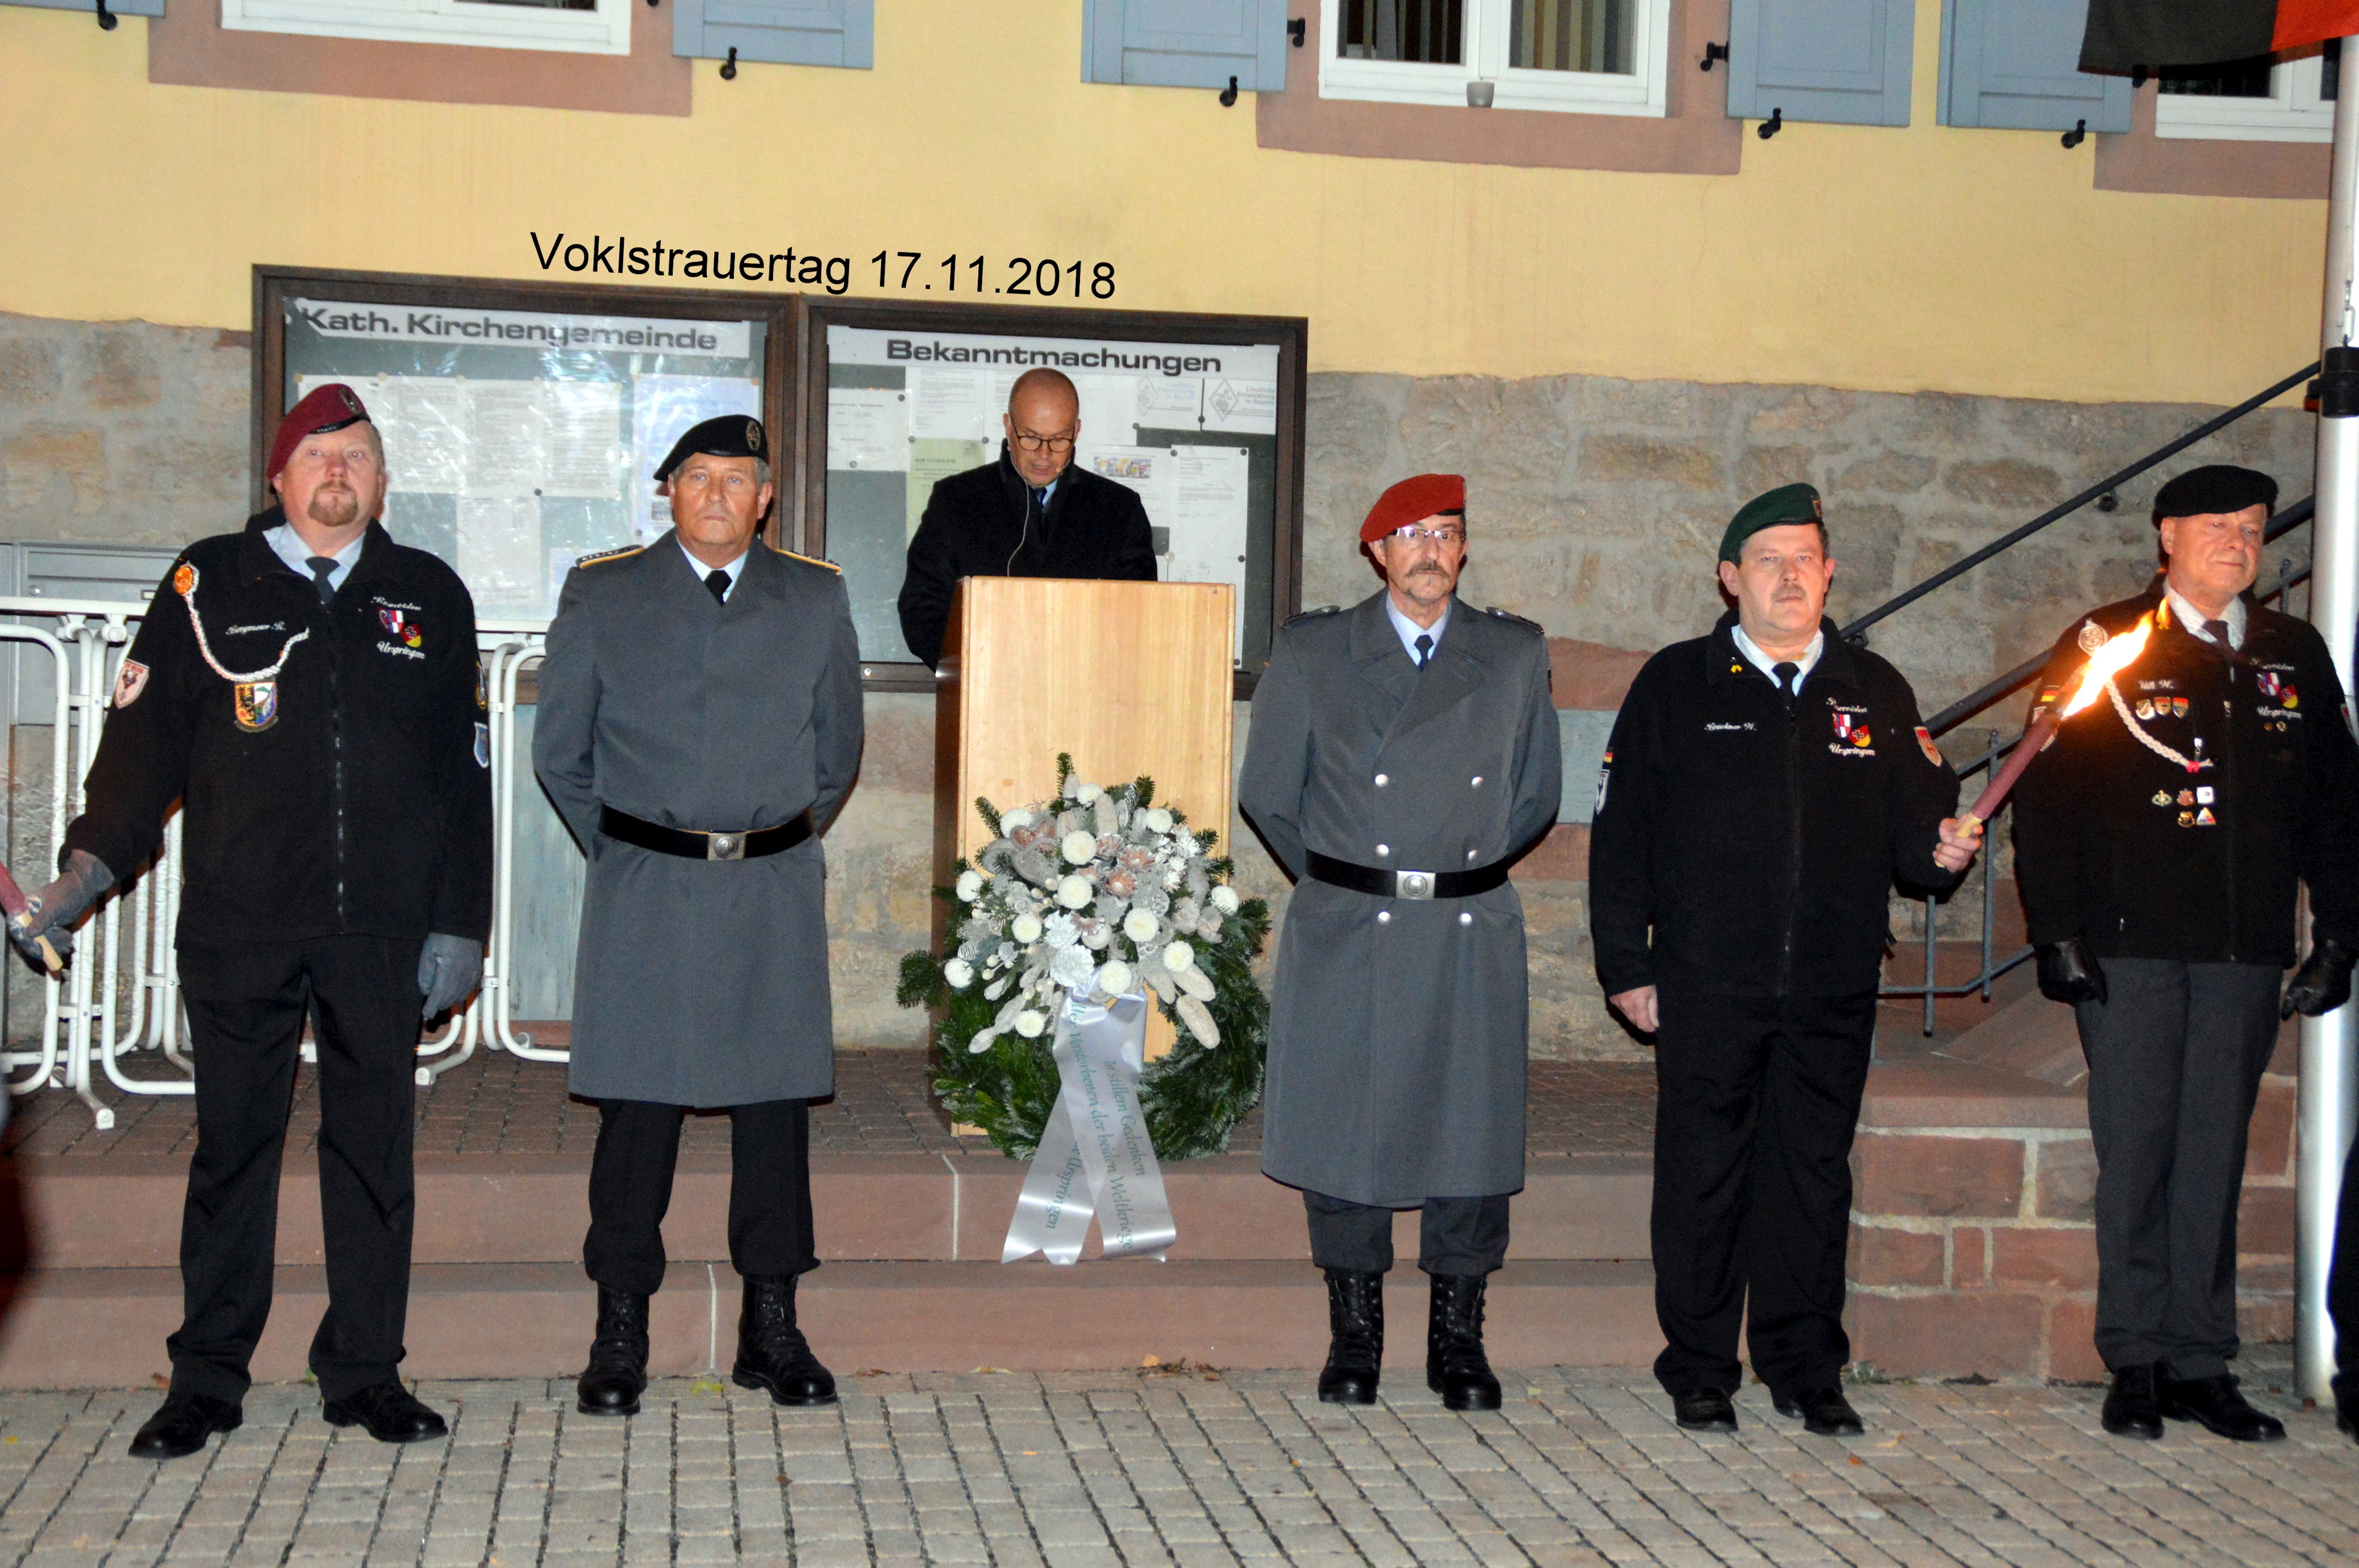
[1138, 924]
[1178, 956]
[1026, 928]
[1078, 848]
[1096, 934]
[960, 973]
[1087, 795]
[970, 886]
[1075, 891]
[1158, 820]
[1072, 967]
[1015, 819]
[1061, 930]
[1224, 898]
[1115, 979]
[1030, 1021]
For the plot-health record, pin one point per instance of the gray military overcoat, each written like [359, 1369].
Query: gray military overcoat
[1396, 1032]
[700, 982]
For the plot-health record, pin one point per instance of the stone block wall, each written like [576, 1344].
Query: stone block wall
[1595, 505]
[1973, 1242]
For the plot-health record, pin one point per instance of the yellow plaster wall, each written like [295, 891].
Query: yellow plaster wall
[1962, 261]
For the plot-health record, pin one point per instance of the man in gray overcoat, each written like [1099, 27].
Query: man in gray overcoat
[700, 722]
[1402, 754]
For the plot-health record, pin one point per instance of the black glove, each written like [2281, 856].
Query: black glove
[53, 911]
[2323, 981]
[2068, 973]
[449, 969]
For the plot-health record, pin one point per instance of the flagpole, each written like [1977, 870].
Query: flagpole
[2330, 1046]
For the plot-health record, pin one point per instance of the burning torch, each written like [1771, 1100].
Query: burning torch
[2107, 661]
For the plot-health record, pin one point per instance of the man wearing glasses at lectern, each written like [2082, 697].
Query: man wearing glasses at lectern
[1031, 513]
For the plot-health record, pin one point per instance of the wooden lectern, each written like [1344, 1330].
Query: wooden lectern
[1129, 677]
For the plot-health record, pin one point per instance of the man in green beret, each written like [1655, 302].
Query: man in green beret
[1765, 787]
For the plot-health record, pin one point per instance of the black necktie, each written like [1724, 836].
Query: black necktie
[322, 567]
[1785, 674]
[1424, 651]
[718, 581]
[2218, 632]
[1040, 502]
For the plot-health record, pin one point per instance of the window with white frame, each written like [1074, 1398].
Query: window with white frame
[573, 27]
[1588, 57]
[2252, 101]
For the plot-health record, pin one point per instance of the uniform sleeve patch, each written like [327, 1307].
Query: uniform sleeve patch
[129, 682]
[1925, 745]
[1604, 778]
[483, 745]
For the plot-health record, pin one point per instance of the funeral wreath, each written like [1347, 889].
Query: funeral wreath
[1095, 894]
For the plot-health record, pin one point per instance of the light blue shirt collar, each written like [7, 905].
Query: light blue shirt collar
[291, 549]
[1410, 631]
[703, 571]
[1767, 666]
[2192, 619]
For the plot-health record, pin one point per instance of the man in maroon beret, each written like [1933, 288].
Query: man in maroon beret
[307, 689]
[1403, 754]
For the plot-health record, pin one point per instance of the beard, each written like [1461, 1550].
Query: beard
[333, 506]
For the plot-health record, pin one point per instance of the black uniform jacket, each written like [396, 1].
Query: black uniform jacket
[1761, 847]
[352, 796]
[982, 523]
[2141, 858]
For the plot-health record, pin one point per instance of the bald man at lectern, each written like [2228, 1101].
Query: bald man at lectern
[1031, 513]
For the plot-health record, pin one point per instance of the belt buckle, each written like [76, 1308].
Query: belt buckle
[725, 846]
[1413, 884]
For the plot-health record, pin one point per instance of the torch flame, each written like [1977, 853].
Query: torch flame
[2106, 663]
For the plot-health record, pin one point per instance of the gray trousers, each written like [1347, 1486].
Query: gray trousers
[2176, 1055]
[1455, 1236]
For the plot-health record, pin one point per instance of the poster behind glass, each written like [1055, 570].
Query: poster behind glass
[1192, 428]
[518, 440]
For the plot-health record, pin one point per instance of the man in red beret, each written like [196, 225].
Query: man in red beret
[307, 689]
[1403, 754]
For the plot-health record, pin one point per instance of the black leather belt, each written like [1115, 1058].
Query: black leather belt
[1406, 884]
[691, 846]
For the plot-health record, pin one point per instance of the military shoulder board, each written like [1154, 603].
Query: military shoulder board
[810, 561]
[1510, 615]
[1314, 614]
[614, 554]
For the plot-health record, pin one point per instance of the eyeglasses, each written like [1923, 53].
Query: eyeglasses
[1444, 537]
[1032, 443]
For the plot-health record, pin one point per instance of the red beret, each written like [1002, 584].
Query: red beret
[329, 407]
[1414, 500]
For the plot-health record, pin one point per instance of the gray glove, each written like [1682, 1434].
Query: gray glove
[54, 910]
[449, 969]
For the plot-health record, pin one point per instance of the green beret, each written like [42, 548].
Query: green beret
[1785, 504]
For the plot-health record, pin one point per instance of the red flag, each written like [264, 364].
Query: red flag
[2127, 35]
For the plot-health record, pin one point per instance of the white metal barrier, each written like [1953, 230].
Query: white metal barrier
[121, 992]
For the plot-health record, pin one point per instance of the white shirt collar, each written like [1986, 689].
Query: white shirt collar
[2192, 619]
[290, 547]
[1768, 667]
[1408, 631]
[703, 571]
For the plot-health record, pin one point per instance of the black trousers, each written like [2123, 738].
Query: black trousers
[2342, 1283]
[630, 1191]
[246, 1017]
[1757, 1099]
[2176, 1054]
[1456, 1235]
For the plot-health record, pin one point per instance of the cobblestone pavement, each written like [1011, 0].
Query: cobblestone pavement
[1168, 1466]
[497, 1103]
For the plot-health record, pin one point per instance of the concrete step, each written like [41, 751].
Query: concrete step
[123, 1211]
[105, 1327]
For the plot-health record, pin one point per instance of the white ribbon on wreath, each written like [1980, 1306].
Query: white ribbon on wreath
[1095, 1160]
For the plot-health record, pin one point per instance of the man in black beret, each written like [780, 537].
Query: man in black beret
[2159, 842]
[1031, 513]
[1765, 786]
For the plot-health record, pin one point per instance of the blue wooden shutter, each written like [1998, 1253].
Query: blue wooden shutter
[2013, 65]
[781, 32]
[119, 7]
[1840, 61]
[1186, 43]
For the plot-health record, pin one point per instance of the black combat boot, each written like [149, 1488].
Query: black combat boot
[772, 1352]
[618, 1373]
[1355, 1328]
[1455, 1367]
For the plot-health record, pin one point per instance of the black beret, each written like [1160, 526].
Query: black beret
[731, 435]
[2214, 488]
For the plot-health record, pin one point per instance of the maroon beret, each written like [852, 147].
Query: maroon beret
[1414, 500]
[329, 407]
